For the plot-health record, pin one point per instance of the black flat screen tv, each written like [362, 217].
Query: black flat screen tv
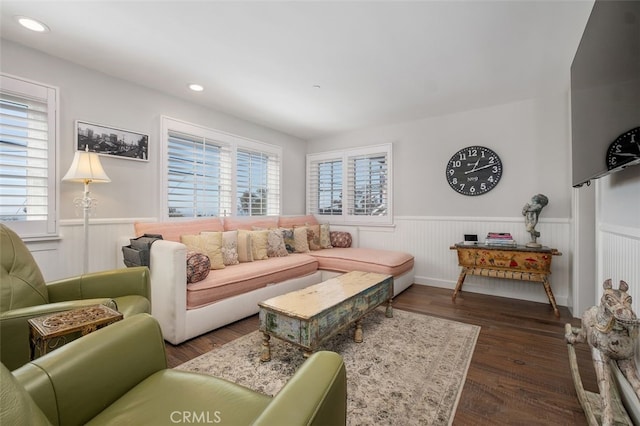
[605, 90]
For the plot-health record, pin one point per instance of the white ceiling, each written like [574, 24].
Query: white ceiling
[375, 62]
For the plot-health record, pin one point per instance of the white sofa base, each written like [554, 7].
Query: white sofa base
[169, 295]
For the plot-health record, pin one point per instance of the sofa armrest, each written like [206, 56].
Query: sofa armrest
[74, 383]
[315, 395]
[112, 283]
[168, 261]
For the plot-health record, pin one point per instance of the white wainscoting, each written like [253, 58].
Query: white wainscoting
[427, 238]
[619, 259]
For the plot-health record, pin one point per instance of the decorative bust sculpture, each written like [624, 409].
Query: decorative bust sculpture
[531, 211]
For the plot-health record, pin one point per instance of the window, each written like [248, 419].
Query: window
[212, 173]
[352, 185]
[28, 190]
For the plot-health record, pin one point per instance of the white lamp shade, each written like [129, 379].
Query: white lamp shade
[86, 167]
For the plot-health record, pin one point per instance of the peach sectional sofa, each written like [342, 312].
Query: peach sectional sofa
[231, 290]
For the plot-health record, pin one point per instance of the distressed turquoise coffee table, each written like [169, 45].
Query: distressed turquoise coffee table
[310, 316]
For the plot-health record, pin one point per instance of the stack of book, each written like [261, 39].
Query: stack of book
[503, 239]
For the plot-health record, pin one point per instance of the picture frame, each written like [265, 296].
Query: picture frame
[111, 141]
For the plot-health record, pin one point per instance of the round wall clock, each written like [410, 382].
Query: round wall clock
[474, 170]
[624, 149]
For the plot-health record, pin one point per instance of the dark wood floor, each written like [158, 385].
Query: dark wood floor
[519, 373]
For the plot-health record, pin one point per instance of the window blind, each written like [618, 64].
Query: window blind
[325, 187]
[199, 176]
[367, 185]
[27, 157]
[257, 183]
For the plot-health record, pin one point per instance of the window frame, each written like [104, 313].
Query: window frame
[34, 230]
[344, 156]
[233, 143]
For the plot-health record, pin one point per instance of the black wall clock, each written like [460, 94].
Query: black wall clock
[474, 170]
[624, 149]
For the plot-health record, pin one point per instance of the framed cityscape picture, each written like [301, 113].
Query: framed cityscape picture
[107, 140]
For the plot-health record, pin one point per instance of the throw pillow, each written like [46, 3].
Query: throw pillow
[340, 239]
[245, 251]
[230, 248]
[325, 236]
[259, 244]
[300, 240]
[209, 243]
[289, 242]
[313, 237]
[275, 244]
[198, 266]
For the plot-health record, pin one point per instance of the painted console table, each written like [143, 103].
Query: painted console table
[515, 263]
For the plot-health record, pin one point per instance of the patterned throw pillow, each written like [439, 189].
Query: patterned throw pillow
[209, 243]
[230, 248]
[289, 242]
[275, 244]
[198, 266]
[300, 239]
[325, 236]
[340, 239]
[313, 237]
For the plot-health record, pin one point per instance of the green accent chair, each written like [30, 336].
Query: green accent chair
[118, 375]
[25, 295]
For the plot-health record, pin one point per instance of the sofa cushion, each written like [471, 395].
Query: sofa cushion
[245, 250]
[209, 243]
[168, 395]
[259, 244]
[245, 277]
[230, 247]
[250, 223]
[363, 259]
[275, 244]
[291, 221]
[198, 266]
[173, 230]
[325, 236]
[340, 239]
[300, 239]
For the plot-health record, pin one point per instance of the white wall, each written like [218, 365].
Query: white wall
[532, 139]
[134, 192]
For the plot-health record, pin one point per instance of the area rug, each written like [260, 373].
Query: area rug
[409, 370]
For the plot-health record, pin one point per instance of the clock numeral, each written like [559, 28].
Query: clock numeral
[454, 181]
[472, 189]
[456, 163]
[462, 157]
[462, 187]
[473, 152]
[490, 179]
[451, 172]
[483, 186]
[495, 169]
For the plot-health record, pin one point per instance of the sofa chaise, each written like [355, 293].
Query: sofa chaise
[187, 308]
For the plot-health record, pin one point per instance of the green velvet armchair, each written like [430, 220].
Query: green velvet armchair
[118, 375]
[25, 295]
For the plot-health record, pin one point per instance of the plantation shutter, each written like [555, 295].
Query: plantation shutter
[199, 176]
[367, 178]
[257, 183]
[27, 157]
[324, 187]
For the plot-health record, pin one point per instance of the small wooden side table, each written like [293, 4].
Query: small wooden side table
[516, 263]
[49, 332]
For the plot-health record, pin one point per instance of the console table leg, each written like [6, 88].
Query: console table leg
[389, 311]
[461, 278]
[357, 337]
[266, 348]
[552, 299]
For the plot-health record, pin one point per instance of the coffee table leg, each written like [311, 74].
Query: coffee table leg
[357, 337]
[389, 312]
[266, 348]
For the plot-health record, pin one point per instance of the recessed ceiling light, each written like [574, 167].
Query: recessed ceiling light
[32, 24]
[196, 87]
